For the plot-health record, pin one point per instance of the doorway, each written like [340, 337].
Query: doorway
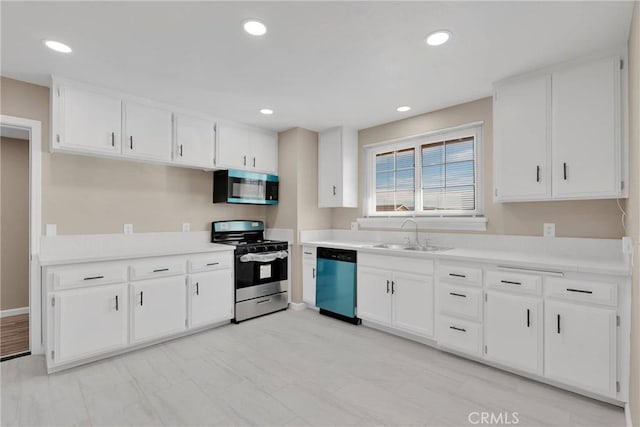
[14, 242]
[20, 230]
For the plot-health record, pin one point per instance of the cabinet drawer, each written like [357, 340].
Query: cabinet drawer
[157, 267]
[582, 290]
[309, 253]
[461, 274]
[517, 282]
[460, 301]
[460, 335]
[81, 275]
[212, 261]
[405, 265]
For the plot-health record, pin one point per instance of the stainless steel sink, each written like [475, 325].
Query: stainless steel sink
[398, 246]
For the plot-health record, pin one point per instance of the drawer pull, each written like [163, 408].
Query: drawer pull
[141, 298]
[212, 263]
[582, 291]
[117, 307]
[458, 275]
[387, 286]
[393, 287]
[528, 318]
[197, 288]
[263, 301]
[558, 323]
[308, 253]
[94, 278]
[457, 295]
[509, 282]
[455, 328]
[160, 270]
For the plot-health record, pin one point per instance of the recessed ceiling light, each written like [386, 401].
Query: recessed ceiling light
[266, 111]
[255, 27]
[403, 109]
[438, 37]
[57, 46]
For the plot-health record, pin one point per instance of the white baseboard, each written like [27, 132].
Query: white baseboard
[297, 306]
[627, 415]
[14, 311]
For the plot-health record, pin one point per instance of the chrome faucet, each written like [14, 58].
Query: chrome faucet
[414, 223]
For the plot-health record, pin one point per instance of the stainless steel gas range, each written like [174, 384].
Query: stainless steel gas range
[260, 267]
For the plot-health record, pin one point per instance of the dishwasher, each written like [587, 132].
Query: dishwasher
[336, 284]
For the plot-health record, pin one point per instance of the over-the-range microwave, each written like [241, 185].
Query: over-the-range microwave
[242, 187]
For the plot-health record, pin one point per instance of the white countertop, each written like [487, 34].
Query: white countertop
[72, 250]
[562, 263]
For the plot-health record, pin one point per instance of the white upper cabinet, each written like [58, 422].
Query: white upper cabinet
[521, 140]
[245, 148]
[147, 132]
[558, 134]
[338, 168]
[193, 140]
[85, 120]
[263, 146]
[586, 130]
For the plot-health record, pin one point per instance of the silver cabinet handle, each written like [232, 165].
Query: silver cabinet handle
[263, 301]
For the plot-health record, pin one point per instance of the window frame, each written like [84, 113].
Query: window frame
[416, 142]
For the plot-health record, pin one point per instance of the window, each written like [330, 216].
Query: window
[435, 174]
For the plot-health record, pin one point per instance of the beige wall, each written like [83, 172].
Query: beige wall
[86, 195]
[599, 218]
[633, 208]
[14, 223]
[298, 207]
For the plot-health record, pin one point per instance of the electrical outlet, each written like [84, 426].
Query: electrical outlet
[186, 227]
[51, 229]
[128, 229]
[354, 226]
[549, 229]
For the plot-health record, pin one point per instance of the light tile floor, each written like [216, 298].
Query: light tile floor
[290, 368]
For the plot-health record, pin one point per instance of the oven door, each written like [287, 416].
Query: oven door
[259, 274]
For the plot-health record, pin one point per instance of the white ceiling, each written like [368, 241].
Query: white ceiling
[320, 64]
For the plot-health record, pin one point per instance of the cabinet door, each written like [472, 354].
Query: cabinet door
[87, 121]
[194, 141]
[211, 297]
[147, 132]
[330, 168]
[309, 282]
[580, 346]
[586, 130]
[374, 295]
[521, 142]
[89, 322]
[513, 331]
[159, 307]
[263, 148]
[232, 147]
[412, 297]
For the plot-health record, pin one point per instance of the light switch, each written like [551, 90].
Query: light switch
[549, 229]
[51, 229]
[186, 227]
[128, 229]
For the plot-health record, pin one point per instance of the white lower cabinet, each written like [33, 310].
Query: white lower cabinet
[580, 346]
[211, 297]
[513, 330]
[397, 299]
[159, 308]
[309, 265]
[460, 335]
[87, 322]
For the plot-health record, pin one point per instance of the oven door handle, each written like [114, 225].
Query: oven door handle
[264, 257]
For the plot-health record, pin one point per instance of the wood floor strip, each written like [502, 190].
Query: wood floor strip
[14, 335]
